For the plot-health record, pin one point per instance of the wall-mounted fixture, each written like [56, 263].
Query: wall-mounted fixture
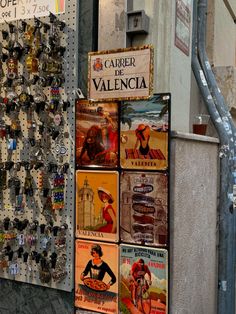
[137, 22]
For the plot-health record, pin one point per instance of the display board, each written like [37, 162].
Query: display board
[37, 149]
[139, 210]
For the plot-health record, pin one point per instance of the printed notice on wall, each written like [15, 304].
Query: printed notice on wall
[183, 25]
[121, 74]
[11, 10]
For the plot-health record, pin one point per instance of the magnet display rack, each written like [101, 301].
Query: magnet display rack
[29, 271]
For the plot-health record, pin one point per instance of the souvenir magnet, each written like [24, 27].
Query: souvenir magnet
[11, 145]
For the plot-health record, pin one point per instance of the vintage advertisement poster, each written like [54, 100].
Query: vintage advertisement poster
[121, 74]
[96, 276]
[143, 280]
[96, 134]
[97, 205]
[144, 208]
[144, 129]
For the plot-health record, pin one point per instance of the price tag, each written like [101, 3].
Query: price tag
[11, 10]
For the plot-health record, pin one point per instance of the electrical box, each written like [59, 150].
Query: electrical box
[137, 22]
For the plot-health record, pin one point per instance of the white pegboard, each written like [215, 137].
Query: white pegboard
[34, 205]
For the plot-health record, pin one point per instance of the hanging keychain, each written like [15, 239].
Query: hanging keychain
[28, 185]
[58, 202]
[12, 61]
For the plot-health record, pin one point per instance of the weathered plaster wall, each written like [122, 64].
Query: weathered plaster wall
[226, 79]
[221, 33]
[111, 24]
[193, 260]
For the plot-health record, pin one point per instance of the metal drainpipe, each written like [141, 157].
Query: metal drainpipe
[225, 304]
[210, 77]
[226, 271]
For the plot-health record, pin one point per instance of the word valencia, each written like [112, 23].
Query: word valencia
[102, 85]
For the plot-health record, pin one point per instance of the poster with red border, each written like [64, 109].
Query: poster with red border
[96, 276]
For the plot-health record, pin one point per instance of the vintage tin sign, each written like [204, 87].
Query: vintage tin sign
[121, 74]
[144, 133]
[96, 276]
[96, 134]
[97, 205]
[143, 280]
[144, 208]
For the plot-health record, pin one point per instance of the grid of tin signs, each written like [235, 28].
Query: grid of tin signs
[33, 154]
[135, 213]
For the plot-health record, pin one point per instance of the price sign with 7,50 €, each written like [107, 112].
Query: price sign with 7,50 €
[11, 10]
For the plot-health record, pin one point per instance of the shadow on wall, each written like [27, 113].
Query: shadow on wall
[19, 298]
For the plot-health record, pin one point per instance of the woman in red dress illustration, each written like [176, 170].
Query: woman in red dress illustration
[108, 213]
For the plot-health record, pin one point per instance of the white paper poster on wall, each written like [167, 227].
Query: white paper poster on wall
[11, 10]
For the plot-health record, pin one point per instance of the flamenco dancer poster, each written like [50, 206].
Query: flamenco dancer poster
[144, 129]
[96, 276]
[97, 215]
[96, 134]
[143, 280]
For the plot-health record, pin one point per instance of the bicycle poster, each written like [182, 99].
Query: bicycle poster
[143, 280]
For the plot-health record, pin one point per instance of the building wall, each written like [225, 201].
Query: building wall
[111, 26]
[221, 48]
[172, 68]
[221, 35]
[193, 230]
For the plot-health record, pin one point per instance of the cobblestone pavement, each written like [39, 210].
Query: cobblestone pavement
[19, 298]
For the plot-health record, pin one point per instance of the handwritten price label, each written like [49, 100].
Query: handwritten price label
[11, 10]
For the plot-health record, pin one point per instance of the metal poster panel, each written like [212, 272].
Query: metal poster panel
[96, 134]
[143, 280]
[96, 276]
[144, 126]
[121, 74]
[97, 205]
[11, 10]
[144, 208]
[183, 25]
